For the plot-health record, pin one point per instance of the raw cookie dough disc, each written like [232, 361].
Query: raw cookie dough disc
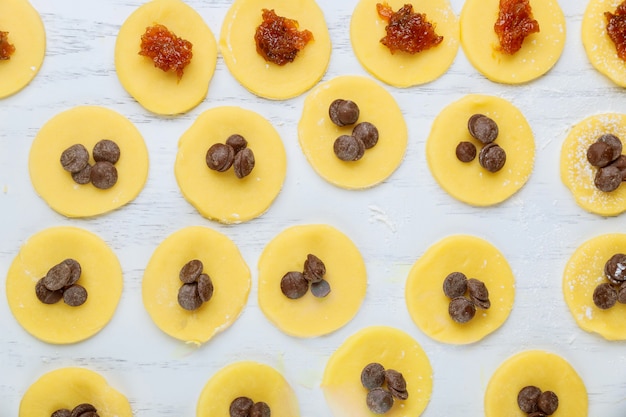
[401, 69]
[598, 45]
[69, 387]
[393, 349]
[264, 78]
[222, 262]
[345, 272]
[222, 196]
[101, 276]
[548, 372]
[583, 273]
[317, 133]
[27, 34]
[577, 173]
[468, 181]
[156, 90]
[476, 258]
[87, 125]
[254, 380]
[539, 52]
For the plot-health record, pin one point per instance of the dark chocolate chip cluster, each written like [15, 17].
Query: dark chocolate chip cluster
[81, 410]
[608, 293]
[245, 407]
[491, 157]
[197, 286]
[536, 403]
[380, 399]
[364, 135]
[295, 284]
[606, 155]
[461, 308]
[102, 174]
[60, 282]
[235, 152]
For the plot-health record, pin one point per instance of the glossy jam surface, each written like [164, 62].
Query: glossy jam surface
[6, 48]
[165, 49]
[278, 39]
[515, 22]
[406, 30]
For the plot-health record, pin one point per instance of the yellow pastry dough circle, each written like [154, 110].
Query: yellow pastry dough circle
[87, 125]
[583, 273]
[539, 52]
[317, 133]
[545, 370]
[27, 34]
[310, 316]
[577, 173]
[156, 90]
[401, 69]
[101, 276]
[263, 78]
[69, 387]
[222, 262]
[468, 181]
[393, 349]
[257, 381]
[476, 258]
[598, 45]
[222, 196]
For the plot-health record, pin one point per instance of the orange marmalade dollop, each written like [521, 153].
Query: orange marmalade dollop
[616, 29]
[407, 31]
[165, 49]
[6, 49]
[515, 22]
[278, 39]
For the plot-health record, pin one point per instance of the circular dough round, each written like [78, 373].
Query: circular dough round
[101, 276]
[392, 348]
[317, 133]
[222, 262]
[598, 45]
[87, 125]
[267, 79]
[539, 52]
[469, 182]
[476, 258]
[548, 372]
[583, 273]
[310, 316]
[222, 196]
[577, 173]
[27, 34]
[254, 380]
[401, 69]
[69, 387]
[156, 90]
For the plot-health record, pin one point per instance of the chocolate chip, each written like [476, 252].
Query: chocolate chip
[614, 142]
[527, 398]
[465, 151]
[106, 150]
[482, 128]
[80, 409]
[45, 295]
[608, 179]
[57, 277]
[461, 309]
[373, 375]
[599, 154]
[349, 148]
[604, 296]
[615, 268]
[379, 401]
[492, 157]
[478, 293]
[191, 271]
[103, 175]
[621, 293]
[314, 268]
[83, 176]
[320, 289]
[396, 384]
[260, 409]
[220, 157]
[243, 163]
[75, 158]
[548, 402]
[343, 112]
[75, 270]
[62, 412]
[620, 163]
[240, 407]
[294, 285]
[237, 142]
[455, 285]
[205, 287]
[367, 132]
[75, 295]
[90, 414]
[188, 297]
